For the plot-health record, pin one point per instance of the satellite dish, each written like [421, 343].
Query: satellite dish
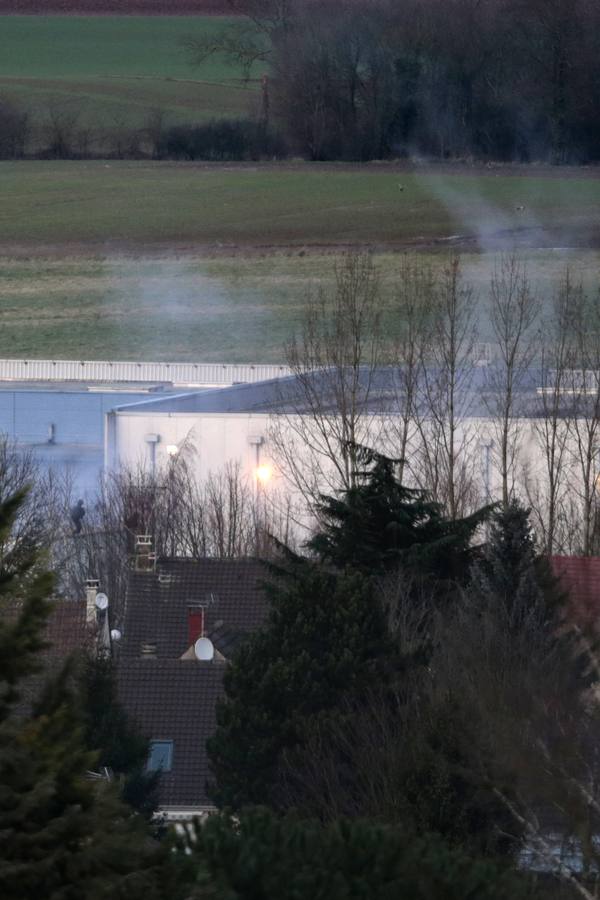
[101, 601]
[204, 649]
[115, 635]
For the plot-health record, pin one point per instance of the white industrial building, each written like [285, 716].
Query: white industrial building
[219, 426]
[87, 416]
[235, 424]
[55, 409]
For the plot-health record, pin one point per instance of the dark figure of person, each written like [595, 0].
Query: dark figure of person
[77, 515]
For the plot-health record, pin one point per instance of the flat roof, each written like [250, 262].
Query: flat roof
[384, 385]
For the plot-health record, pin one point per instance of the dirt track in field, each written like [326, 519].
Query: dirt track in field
[524, 239]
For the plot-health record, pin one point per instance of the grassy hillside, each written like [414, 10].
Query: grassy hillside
[112, 71]
[137, 204]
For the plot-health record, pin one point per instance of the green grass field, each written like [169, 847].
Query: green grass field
[112, 71]
[200, 262]
[240, 309]
[132, 203]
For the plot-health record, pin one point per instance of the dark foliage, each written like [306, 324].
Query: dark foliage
[380, 525]
[368, 79]
[13, 130]
[516, 675]
[325, 641]
[63, 836]
[221, 141]
[110, 733]
[262, 857]
[511, 566]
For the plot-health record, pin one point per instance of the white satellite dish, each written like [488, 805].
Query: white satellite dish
[204, 649]
[115, 635]
[101, 601]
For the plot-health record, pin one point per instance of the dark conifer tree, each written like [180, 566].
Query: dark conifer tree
[325, 642]
[379, 525]
[511, 570]
[63, 836]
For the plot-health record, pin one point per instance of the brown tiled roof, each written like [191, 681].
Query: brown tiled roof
[172, 698]
[66, 629]
[156, 608]
[66, 633]
[175, 700]
[580, 576]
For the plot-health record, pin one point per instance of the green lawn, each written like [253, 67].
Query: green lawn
[133, 203]
[112, 71]
[229, 309]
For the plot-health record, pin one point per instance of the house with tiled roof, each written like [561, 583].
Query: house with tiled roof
[73, 626]
[165, 684]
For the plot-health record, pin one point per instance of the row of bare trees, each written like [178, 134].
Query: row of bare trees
[468, 422]
[68, 130]
[224, 515]
[506, 79]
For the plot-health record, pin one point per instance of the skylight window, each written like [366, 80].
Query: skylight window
[160, 757]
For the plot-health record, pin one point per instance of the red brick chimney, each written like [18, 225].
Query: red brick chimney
[195, 624]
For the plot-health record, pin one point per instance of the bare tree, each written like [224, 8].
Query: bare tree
[154, 131]
[415, 306]
[329, 406]
[14, 127]
[520, 675]
[584, 447]
[447, 441]
[222, 516]
[553, 417]
[514, 311]
[62, 129]
[249, 39]
[42, 518]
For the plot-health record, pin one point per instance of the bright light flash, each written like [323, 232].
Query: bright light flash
[172, 449]
[263, 474]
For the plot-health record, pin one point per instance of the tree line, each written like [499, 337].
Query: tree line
[63, 131]
[372, 79]
[502, 80]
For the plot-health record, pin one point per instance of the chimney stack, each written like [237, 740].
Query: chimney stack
[91, 591]
[195, 624]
